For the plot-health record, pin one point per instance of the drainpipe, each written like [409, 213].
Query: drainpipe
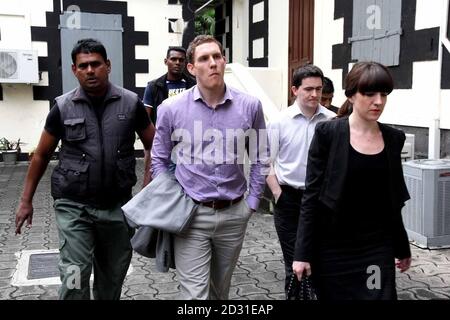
[203, 6]
[434, 140]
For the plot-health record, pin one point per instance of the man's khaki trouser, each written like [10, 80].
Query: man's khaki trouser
[90, 237]
[207, 252]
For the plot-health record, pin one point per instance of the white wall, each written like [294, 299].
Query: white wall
[20, 116]
[279, 43]
[419, 105]
[328, 32]
[153, 17]
[242, 78]
[445, 109]
[240, 31]
[271, 81]
[445, 94]
[278, 46]
[416, 106]
[427, 15]
[412, 107]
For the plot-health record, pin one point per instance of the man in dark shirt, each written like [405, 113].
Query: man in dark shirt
[96, 124]
[328, 94]
[176, 80]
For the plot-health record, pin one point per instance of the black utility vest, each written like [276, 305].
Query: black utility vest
[160, 92]
[96, 161]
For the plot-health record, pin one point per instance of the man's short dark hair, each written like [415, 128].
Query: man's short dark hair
[328, 86]
[179, 49]
[199, 40]
[306, 71]
[88, 45]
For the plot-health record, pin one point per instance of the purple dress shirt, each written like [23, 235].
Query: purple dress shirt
[208, 145]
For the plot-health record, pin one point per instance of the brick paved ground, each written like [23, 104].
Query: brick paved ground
[259, 273]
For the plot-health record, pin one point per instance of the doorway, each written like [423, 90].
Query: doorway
[301, 36]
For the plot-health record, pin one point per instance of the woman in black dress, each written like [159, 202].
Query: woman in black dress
[351, 234]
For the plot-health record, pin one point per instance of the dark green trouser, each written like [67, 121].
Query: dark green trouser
[92, 237]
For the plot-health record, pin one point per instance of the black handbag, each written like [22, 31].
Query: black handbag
[301, 290]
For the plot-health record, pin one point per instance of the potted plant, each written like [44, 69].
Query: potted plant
[10, 150]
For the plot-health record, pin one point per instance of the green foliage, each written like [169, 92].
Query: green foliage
[205, 23]
[6, 144]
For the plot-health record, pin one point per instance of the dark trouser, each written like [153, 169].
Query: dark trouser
[287, 211]
[90, 237]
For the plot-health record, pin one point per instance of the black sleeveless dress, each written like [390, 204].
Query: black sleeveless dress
[355, 257]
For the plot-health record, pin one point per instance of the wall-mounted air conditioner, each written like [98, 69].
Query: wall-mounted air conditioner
[18, 66]
[427, 214]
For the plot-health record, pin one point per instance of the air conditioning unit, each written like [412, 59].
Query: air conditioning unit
[427, 214]
[408, 148]
[18, 66]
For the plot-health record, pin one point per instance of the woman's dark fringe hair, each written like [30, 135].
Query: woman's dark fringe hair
[363, 78]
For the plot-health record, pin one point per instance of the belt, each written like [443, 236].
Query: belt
[219, 204]
[291, 190]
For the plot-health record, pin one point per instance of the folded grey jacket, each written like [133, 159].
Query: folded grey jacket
[153, 243]
[162, 204]
[160, 210]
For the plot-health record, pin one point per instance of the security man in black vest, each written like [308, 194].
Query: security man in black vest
[176, 80]
[96, 124]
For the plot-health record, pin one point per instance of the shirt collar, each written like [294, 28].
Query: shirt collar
[175, 81]
[294, 111]
[227, 96]
[113, 92]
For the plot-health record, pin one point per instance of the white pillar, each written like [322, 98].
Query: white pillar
[434, 137]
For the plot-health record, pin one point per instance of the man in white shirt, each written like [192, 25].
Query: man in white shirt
[290, 135]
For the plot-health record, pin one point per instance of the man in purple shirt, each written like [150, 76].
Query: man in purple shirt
[206, 131]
